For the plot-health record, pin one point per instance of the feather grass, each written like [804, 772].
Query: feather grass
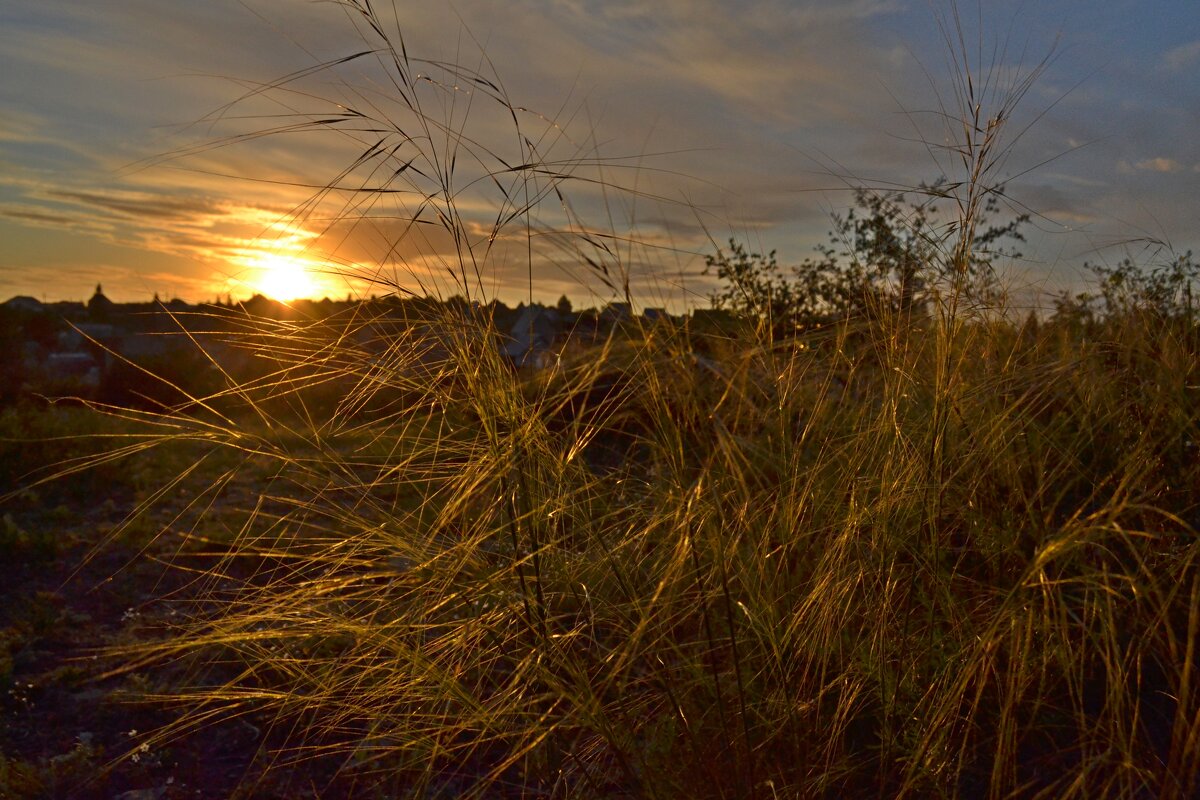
[942, 556]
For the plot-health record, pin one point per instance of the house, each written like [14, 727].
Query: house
[24, 303]
[87, 335]
[532, 337]
[79, 369]
[99, 307]
[616, 312]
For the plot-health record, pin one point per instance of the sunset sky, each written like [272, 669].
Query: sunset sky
[683, 122]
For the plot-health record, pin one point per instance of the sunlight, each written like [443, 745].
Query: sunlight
[282, 276]
[284, 266]
[289, 269]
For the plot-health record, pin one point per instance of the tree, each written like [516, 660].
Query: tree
[884, 257]
[563, 306]
[755, 286]
[1166, 291]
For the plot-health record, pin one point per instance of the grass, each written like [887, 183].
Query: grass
[946, 555]
[750, 588]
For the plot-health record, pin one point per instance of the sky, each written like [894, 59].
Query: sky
[199, 150]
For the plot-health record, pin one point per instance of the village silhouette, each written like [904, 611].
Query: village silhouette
[156, 353]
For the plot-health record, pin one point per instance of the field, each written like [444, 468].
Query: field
[776, 570]
[866, 532]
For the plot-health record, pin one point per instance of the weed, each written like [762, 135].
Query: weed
[935, 554]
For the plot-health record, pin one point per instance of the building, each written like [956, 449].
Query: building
[99, 307]
[24, 303]
[532, 337]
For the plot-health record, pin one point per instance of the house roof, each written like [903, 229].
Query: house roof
[24, 302]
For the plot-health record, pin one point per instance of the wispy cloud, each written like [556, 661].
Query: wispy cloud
[139, 205]
[20, 126]
[1159, 164]
[1183, 56]
[39, 217]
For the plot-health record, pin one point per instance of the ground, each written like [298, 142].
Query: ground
[75, 721]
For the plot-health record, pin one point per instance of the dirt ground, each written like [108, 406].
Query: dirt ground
[75, 721]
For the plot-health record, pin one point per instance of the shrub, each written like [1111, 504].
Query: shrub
[1163, 292]
[884, 260]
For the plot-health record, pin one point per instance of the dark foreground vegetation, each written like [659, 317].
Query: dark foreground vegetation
[784, 568]
[870, 535]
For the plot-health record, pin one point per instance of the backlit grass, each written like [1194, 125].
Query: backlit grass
[926, 554]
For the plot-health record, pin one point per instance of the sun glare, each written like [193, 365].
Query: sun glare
[281, 276]
[283, 266]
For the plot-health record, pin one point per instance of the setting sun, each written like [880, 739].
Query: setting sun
[281, 276]
[284, 266]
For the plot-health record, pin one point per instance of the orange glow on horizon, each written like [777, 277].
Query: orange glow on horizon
[281, 276]
[283, 268]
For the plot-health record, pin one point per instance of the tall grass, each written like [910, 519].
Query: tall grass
[942, 556]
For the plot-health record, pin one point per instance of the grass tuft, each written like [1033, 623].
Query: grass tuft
[912, 555]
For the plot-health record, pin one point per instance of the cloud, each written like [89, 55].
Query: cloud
[1183, 56]
[18, 126]
[714, 69]
[139, 204]
[785, 63]
[39, 217]
[1058, 207]
[1159, 164]
[750, 118]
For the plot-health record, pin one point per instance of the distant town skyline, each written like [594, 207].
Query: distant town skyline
[751, 121]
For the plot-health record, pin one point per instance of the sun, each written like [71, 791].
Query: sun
[287, 266]
[282, 276]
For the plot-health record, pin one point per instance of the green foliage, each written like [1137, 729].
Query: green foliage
[885, 258]
[1164, 292]
[37, 441]
[47, 779]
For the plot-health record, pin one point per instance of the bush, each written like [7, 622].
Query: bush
[174, 380]
[1164, 292]
[885, 259]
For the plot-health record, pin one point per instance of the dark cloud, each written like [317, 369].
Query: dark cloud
[140, 205]
[37, 217]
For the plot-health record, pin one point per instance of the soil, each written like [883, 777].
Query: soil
[75, 718]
